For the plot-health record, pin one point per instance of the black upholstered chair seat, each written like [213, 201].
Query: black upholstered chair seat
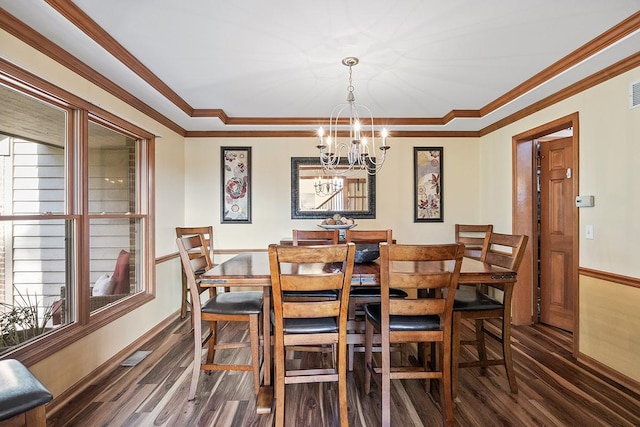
[374, 291]
[319, 294]
[402, 323]
[468, 299]
[234, 303]
[320, 325]
[308, 325]
[20, 391]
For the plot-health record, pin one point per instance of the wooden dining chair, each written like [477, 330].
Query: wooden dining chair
[482, 302]
[475, 238]
[318, 323]
[224, 307]
[433, 272]
[360, 295]
[207, 234]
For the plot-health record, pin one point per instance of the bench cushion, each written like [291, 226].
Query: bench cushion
[20, 390]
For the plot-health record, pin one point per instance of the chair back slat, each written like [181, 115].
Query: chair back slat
[368, 236]
[319, 254]
[421, 307]
[422, 280]
[291, 310]
[316, 237]
[316, 282]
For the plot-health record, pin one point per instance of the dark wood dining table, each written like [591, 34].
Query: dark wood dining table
[251, 269]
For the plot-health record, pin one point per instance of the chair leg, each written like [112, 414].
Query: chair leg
[351, 353]
[279, 361]
[506, 354]
[255, 350]
[430, 356]
[185, 303]
[444, 355]
[368, 352]
[211, 351]
[455, 352]
[386, 381]
[351, 316]
[482, 350]
[342, 384]
[36, 417]
[197, 356]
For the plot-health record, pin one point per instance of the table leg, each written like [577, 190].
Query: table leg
[266, 313]
[265, 394]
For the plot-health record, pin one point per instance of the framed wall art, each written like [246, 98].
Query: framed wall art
[236, 185]
[427, 167]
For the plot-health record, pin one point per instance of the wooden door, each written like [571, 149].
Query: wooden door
[557, 205]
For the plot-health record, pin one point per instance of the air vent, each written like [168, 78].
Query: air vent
[634, 96]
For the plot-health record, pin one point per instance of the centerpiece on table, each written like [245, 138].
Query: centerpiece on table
[365, 252]
[338, 222]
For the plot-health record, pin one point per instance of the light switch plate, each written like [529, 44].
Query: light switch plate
[588, 232]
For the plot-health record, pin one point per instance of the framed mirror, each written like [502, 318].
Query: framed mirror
[318, 194]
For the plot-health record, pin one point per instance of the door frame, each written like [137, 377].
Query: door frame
[524, 217]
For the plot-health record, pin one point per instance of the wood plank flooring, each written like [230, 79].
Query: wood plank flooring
[554, 390]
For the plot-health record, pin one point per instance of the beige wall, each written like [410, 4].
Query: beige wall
[271, 183]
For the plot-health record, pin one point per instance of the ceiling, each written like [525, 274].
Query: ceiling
[251, 65]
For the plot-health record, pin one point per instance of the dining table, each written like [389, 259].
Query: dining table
[251, 269]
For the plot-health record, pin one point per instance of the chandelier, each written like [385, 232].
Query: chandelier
[327, 186]
[342, 155]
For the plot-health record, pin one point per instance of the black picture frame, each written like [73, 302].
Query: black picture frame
[428, 183]
[298, 213]
[235, 185]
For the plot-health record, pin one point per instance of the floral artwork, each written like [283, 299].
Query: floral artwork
[236, 184]
[428, 184]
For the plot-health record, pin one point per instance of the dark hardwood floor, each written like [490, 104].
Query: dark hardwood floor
[554, 390]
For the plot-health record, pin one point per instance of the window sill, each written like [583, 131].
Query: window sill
[51, 343]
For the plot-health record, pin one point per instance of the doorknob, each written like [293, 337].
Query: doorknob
[568, 173]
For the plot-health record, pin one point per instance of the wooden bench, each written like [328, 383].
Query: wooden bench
[22, 396]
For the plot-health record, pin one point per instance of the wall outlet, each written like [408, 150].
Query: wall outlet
[589, 232]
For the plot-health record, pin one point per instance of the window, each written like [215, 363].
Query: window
[74, 217]
[114, 232]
